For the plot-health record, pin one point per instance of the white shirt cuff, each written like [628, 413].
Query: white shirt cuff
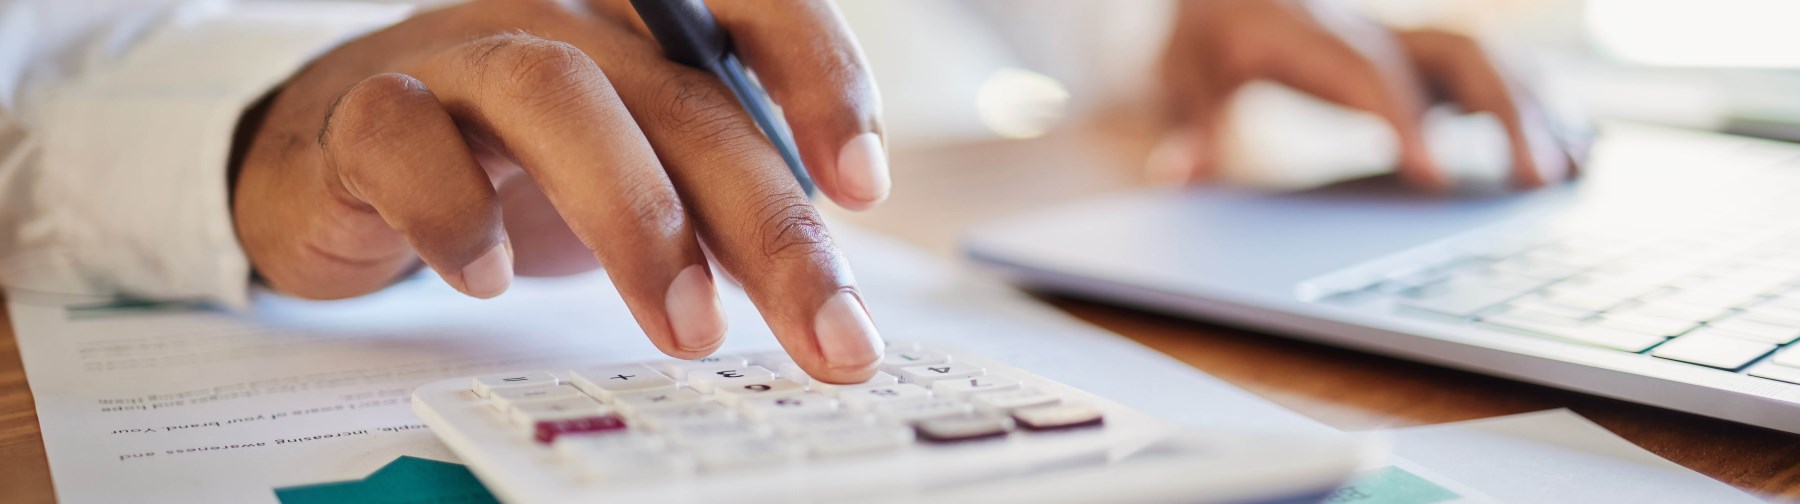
[135, 153]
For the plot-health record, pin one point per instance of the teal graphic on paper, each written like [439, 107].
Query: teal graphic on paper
[1390, 485]
[406, 480]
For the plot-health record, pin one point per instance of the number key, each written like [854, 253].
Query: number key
[930, 373]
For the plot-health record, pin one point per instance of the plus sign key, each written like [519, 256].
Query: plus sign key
[608, 382]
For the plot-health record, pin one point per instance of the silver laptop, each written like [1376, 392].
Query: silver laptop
[1668, 275]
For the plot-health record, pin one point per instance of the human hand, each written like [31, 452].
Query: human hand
[1220, 45]
[557, 134]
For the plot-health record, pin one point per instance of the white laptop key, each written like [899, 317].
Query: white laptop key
[653, 401]
[1061, 416]
[1646, 324]
[865, 397]
[1005, 402]
[485, 385]
[906, 412]
[964, 428]
[880, 378]
[527, 415]
[929, 373]
[704, 380]
[766, 408]
[962, 388]
[1774, 371]
[762, 454]
[505, 398]
[1723, 352]
[679, 369]
[606, 382]
[1681, 310]
[1459, 297]
[1589, 334]
[1754, 330]
[1789, 357]
[858, 440]
[735, 391]
[894, 359]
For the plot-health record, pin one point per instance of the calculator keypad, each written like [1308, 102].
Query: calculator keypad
[643, 421]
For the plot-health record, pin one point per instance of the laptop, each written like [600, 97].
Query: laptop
[1668, 274]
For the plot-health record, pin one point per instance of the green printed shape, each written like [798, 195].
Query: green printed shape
[1389, 485]
[406, 480]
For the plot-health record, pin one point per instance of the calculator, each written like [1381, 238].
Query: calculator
[934, 425]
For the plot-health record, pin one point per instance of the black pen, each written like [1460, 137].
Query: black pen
[689, 35]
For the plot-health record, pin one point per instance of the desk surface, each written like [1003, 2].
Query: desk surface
[1342, 388]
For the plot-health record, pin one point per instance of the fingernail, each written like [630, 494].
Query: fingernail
[694, 310]
[847, 339]
[863, 168]
[1172, 161]
[490, 274]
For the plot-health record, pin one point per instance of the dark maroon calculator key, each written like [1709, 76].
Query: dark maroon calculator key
[547, 431]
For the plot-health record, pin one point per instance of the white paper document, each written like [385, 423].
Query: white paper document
[179, 404]
[1550, 457]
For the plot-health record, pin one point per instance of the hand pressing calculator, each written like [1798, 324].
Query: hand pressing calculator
[935, 425]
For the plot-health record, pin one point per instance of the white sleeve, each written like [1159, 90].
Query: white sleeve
[114, 145]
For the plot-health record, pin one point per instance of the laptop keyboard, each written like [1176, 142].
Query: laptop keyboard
[1724, 297]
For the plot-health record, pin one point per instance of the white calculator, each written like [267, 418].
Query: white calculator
[934, 425]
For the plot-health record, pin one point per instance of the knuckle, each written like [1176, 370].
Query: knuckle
[652, 204]
[524, 67]
[372, 106]
[699, 110]
[788, 227]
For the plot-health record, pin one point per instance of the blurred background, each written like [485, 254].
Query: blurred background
[996, 107]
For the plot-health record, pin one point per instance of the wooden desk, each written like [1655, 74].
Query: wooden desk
[940, 191]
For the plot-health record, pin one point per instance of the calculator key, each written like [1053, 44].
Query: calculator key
[904, 345]
[1061, 416]
[765, 408]
[962, 388]
[704, 380]
[791, 370]
[1723, 352]
[926, 374]
[857, 440]
[679, 369]
[734, 392]
[880, 378]
[504, 399]
[702, 413]
[1004, 402]
[801, 425]
[750, 453]
[639, 403]
[621, 457]
[964, 428]
[530, 413]
[569, 446]
[547, 431]
[485, 385]
[865, 397]
[607, 382]
[906, 412]
[701, 434]
[894, 359]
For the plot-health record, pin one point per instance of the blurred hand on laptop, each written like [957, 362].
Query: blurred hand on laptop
[1320, 49]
